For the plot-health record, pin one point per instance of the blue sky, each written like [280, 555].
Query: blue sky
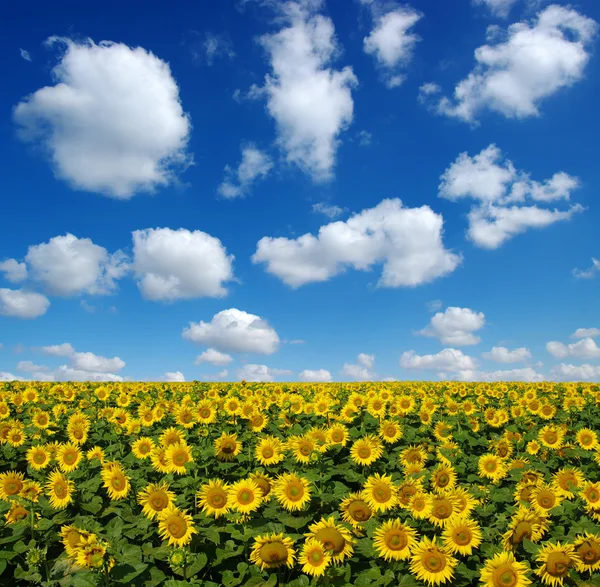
[304, 190]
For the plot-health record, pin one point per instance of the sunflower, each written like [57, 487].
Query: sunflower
[73, 538]
[337, 434]
[60, 490]
[503, 570]
[11, 484]
[91, 555]
[16, 513]
[41, 420]
[31, 491]
[442, 510]
[413, 458]
[213, 497]
[206, 413]
[432, 563]
[462, 501]
[355, 510]
[587, 439]
[525, 523]
[302, 448]
[314, 558]
[533, 447]
[551, 437]
[158, 458]
[269, 451]
[154, 498]
[68, 457]
[365, 451]
[272, 551]
[95, 453]
[116, 482]
[420, 505]
[587, 547]
[185, 417]
[394, 540]
[379, 492]
[335, 538]
[38, 458]
[543, 498]
[177, 456]
[171, 436]
[556, 562]
[390, 431]
[443, 478]
[16, 437]
[264, 483]
[566, 480]
[227, 447]
[461, 535]
[590, 495]
[142, 448]
[245, 496]
[292, 491]
[491, 466]
[176, 525]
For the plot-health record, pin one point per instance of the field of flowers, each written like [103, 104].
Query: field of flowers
[249, 484]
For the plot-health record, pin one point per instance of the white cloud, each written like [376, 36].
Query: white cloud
[588, 273]
[519, 68]
[95, 363]
[362, 370]
[331, 211]
[253, 372]
[564, 372]
[501, 354]
[365, 138]
[447, 360]
[113, 123]
[255, 164]
[586, 333]
[220, 375]
[296, 341]
[180, 264]
[17, 303]
[407, 241]
[14, 271]
[67, 266]
[494, 183]
[29, 367]
[6, 376]
[173, 376]
[366, 360]
[87, 307]
[320, 375]
[525, 374]
[233, 330]
[434, 305]
[65, 373]
[211, 47]
[455, 326]
[586, 348]
[390, 42]
[25, 54]
[59, 350]
[499, 8]
[213, 357]
[310, 102]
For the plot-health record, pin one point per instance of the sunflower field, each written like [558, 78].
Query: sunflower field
[253, 484]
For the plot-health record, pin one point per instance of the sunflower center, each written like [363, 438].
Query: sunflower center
[180, 458]
[364, 452]
[359, 511]
[406, 493]
[586, 439]
[268, 452]
[434, 561]
[396, 540]
[159, 501]
[264, 485]
[144, 449]
[228, 447]
[550, 437]
[216, 499]
[70, 458]
[245, 496]
[505, 576]
[60, 490]
[294, 491]
[316, 558]
[462, 536]
[442, 508]
[73, 538]
[337, 436]
[558, 564]
[546, 499]
[522, 530]
[176, 526]
[491, 466]
[118, 482]
[205, 413]
[382, 494]
[566, 481]
[442, 480]
[589, 553]
[593, 495]
[331, 539]
[273, 553]
[42, 420]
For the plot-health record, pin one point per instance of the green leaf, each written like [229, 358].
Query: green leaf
[197, 565]
[93, 506]
[124, 573]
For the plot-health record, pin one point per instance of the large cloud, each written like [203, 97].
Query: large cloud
[586, 333]
[18, 303]
[14, 271]
[455, 326]
[113, 123]
[180, 264]
[586, 348]
[521, 66]
[318, 376]
[253, 372]
[213, 357]
[565, 372]
[236, 331]
[501, 354]
[500, 8]
[446, 360]
[310, 102]
[407, 241]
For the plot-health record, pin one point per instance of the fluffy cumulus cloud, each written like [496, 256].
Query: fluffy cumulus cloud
[310, 101]
[255, 164]
[521, 66]
[220, 375]
[112, 123]
[330, 210]
[17, 303]
[180, 264]
[235, 331]
[390, 42]
[59, 350]
[455, 326]
[251, 372]
[588, 273]
[449, 359]
[500, 8]
[586, 333]
[30, 367]
[67, 266]
[501, 354]
[586, 348]
[318, 376]
[213, 357]
[526, 374]
[407, 241]
[14, 271]
[501, 193]
[173, 376]
[566, 372]
[66, 373]
[91, 362]
[7, 376]
[361, 370]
